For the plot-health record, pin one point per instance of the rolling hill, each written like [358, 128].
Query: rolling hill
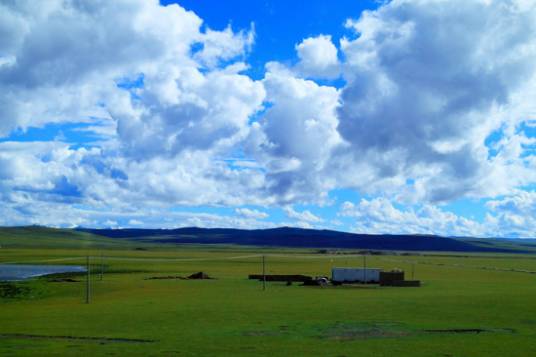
[311, 238]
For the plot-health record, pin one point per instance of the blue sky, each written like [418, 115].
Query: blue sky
[279, 25]
[362, 116]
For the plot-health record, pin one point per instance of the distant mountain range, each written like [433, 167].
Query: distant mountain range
[311, 238]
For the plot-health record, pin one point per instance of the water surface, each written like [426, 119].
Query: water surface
[10, 272]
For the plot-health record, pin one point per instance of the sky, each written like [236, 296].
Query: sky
[362, 116]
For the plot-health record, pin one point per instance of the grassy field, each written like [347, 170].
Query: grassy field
[230, 315]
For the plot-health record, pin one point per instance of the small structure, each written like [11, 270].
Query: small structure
[199, 276]
[396, 278]
[388, 278]
[355, 275]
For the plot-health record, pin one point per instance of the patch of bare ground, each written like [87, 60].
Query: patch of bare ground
[196, 276]
[75, 338]
[470, 330]
[352, 331]
[168, 277]
[63, 280]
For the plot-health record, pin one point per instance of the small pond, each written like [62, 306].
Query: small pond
[9, 272]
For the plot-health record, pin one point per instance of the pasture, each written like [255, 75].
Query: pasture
[478, 304]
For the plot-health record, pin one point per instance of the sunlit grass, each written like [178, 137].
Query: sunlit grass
[232, 315]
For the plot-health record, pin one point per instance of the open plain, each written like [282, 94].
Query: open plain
[468, 304]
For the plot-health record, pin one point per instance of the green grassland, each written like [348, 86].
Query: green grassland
[231, 315]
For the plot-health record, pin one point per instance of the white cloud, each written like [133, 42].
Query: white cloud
[182, 109]
[511, 216]
[303, 216]
[22, 209]
[318, 58]
[437, 100]
[224, 45]
[428, 82]
[379, 216]
[57, 77]
[295, 138]
[251, 213]
[514, 215]
[164, 137]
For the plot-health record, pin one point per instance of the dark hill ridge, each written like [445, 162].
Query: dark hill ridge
[299, 238]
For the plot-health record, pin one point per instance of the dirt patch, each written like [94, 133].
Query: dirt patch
[261, 333]
[63, 280]
[281, 277]
[470, 330]
[62, 276]
[165, 277]
[279, 331]
[76, 338]
[346, 331]
[196, 276]
[355, 331]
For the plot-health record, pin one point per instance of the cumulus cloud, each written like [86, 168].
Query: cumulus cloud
[437, 103]
[514, 215]
[318, 57]
[224, 45]
[380, 216]
[128, 69]
[66, 54]
[180, 109]
[64, 215]
[427, 87]
[251, 213]
[429, 81]
[296, 136]
[303, 216]
[510, 216]
[68, 57]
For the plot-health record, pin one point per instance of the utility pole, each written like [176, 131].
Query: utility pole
[101, 267]
[88, 276]
[364, 268]
[263, 273]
